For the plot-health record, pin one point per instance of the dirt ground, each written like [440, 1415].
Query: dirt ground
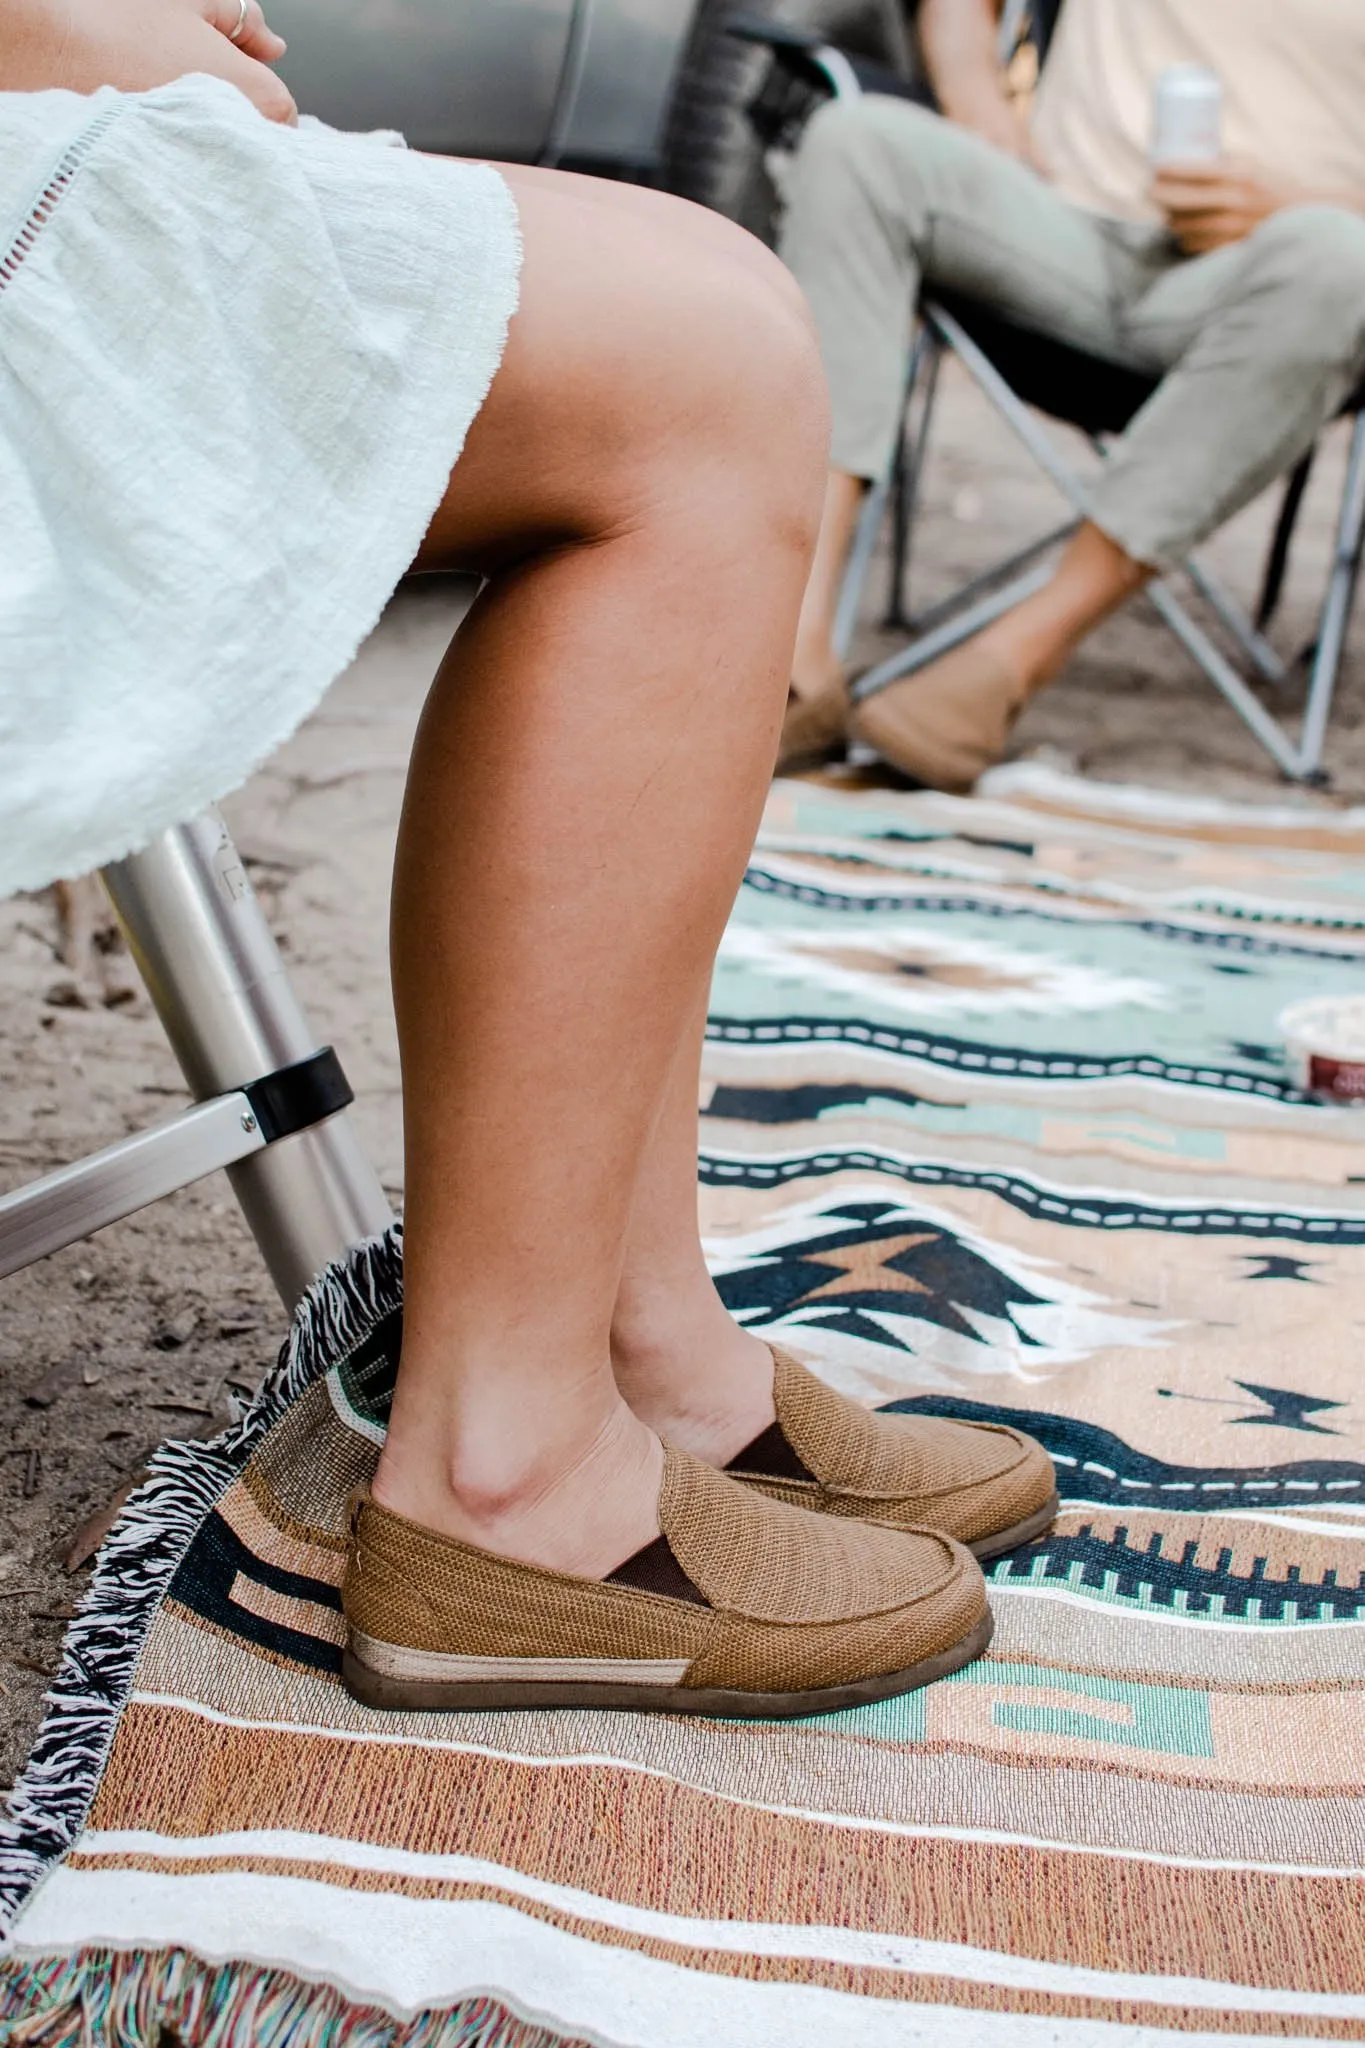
[156, 1326]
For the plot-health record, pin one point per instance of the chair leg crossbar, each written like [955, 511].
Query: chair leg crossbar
[987, 596]
[271, 1102]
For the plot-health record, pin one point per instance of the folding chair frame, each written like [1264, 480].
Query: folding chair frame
[993, 592]
[270, 1102]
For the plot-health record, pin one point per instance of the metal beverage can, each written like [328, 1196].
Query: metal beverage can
[1187, 107]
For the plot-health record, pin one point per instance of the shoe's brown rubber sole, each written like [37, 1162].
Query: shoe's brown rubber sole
[395, 1695]
[1019, 1532]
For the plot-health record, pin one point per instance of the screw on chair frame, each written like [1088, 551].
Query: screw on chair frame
[270, 1102]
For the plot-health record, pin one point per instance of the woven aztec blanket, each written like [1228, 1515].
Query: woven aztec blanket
[995, 1123]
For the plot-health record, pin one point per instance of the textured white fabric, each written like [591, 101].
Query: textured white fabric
[237, 363]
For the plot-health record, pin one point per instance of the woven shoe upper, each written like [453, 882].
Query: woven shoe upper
[405, 1583]
[761, 1560]
[794, 1601]
[967, 1479]
[804, 1600]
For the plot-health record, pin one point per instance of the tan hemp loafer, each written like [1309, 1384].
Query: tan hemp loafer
[988, 1486]
[744, 1607]
[946, 724]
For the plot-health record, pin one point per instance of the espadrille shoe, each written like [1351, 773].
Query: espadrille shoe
[948, 723]
[988, 1486]
[743, 1607]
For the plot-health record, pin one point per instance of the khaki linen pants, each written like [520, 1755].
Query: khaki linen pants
[1261, 341]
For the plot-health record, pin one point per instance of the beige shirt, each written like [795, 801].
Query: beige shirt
[1293, 77]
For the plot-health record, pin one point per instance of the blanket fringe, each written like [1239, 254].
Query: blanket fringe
[138, 1560]
[105, 1998]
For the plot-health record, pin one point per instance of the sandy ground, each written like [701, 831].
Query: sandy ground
[156, 1326]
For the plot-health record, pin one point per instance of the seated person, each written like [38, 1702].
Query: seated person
[239, 359]
[1242, 280]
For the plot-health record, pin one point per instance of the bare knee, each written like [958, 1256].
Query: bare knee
[664, 213]
[652, 371]
[1313, 257]
[737, 381]
[766, 270]
[761, 409]
[683, 217]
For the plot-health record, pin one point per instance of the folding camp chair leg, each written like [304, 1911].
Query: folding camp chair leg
[63, 1207]
[1007, 570]
[870, 520]
[1191, 636]
[930, 646]
[1277, 559]
[1012, 410]
[1253, 643]
[1225, 607]
[219, 985]
[1224, 678]
[1336, 611]
[967, 615]
[910, 475]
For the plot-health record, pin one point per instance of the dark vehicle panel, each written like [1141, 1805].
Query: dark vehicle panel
[652, 89]
[462, 77]
[624, 63]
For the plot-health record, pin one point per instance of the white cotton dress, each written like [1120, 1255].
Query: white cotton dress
[237, 364]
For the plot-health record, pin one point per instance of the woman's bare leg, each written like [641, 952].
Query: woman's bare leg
[682, 1362]
[816, 662]
[642, 488]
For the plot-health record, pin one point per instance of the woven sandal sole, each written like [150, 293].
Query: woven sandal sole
[1019, 1532]
[394, 1695]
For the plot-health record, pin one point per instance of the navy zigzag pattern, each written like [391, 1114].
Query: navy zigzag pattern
[1086, 1211]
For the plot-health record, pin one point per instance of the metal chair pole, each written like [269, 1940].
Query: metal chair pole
[872, 515]
[913, 451]
[929, 646]
[1224, 677]
[219, 986]
[870, 520]
[1243, 629]
[1336, 612]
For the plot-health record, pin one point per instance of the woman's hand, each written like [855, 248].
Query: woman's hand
[136, 44]
[1209, 205]
[255, 38]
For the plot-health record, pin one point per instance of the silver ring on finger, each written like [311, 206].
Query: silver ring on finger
[243, 9]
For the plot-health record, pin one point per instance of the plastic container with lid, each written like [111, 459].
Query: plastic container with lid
[1325, 1041]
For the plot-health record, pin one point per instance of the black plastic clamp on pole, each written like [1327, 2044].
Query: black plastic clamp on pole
[295, 1097]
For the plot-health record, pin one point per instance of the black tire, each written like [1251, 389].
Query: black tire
[712, 153]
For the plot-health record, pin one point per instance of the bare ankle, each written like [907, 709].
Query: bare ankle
[1093, 578]
[708, 1388]
[580, 1508]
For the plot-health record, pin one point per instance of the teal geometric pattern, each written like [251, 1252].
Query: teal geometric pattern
[1170, 1719]
[1174, 1719]
[1094, 988]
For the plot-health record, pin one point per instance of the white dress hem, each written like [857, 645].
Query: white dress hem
[202, 545]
